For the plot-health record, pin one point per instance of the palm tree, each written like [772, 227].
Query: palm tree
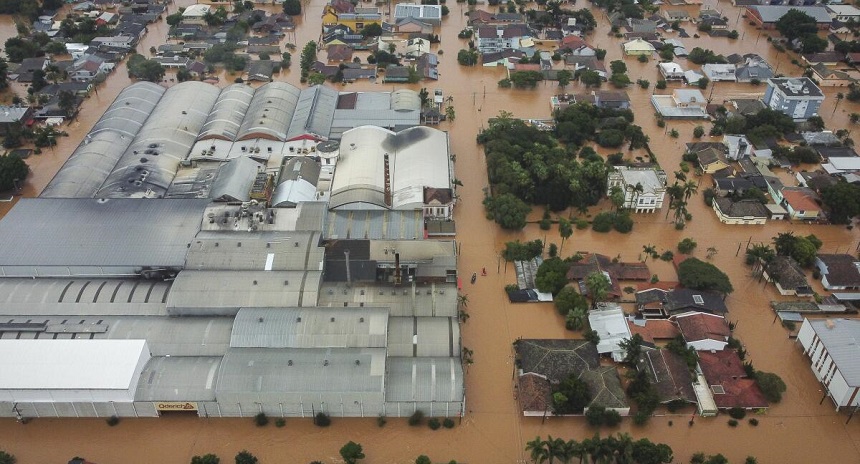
[597, 285]
[537, 452]
[839, 97]
[624, 449]
[649, 250]
[565, 230]
[575, 319]
[554, 447]
[572, 449]
[690, 189]
[711, 252]
[676, 194]
[463, 300]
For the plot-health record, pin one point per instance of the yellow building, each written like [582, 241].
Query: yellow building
[355, 20]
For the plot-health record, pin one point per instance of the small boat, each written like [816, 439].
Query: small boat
[474, 277]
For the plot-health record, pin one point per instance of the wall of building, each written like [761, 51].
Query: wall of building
[77, 409]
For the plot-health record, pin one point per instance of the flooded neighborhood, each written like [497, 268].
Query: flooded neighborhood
[494, 426]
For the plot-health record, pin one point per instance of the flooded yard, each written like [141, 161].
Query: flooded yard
[801, 429]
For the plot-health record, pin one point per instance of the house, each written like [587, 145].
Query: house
[411, 26]
[641, 26]
[662, 303]
[637, 47]
[590, 63]
[431, 14]
[711, 160]
[787, 276]
[826, 140]
[825, 58]
[576, 46]
[671, 71]
[595, 262]
[737, 147]
[644, 188]
[833, 77]
[553, 361]
[669, 374]
[394, 73]
[724, 372]
[677, 47]
[502, 37]
[123, 42]
[13, 117]
[427, 66]
[676, 15]
[261, 70]
[841, 166]
[831, 346]
[703, 331]
[608, 320]
[844, 13]
[748, 106]
[28, 66]
[681, 104]
[416, 47]
[716, 23]
[815, 180]
[356, 20]
[719, 72]
[766, 16]
[740, 212]
[800, 202]
[797, 97]
[838, 271]
[610, 99]
[195, 14]
[505, 58]
[753, 68]
[338, 53]
[485, 18]
[652, 330]
[88, 68]
[353, 72]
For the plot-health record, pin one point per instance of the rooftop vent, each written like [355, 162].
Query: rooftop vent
[357, 362]
[290, 362]
[299, 319]
[260, 320]
[360, 319]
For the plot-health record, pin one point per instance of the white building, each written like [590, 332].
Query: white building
[609, 322]
[720, 72]
[832, 348]
[671, 71]
[843, 13]
[644, 188]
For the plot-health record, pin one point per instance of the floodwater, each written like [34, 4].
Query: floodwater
[800, 429]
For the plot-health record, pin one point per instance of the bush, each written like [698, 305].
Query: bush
[661, 84]
[280, 422]
[581, 224]
[771, 385]
[641, 418]
[623, 222]
[737, 413]
[611, 418]
[416, 418]
[687, 246]
[112, 421]
[754, 422]
[545, 224]
[381, 421]
[322, 420]
[205, 459]
[448, 423]
[733, 423]
[261, 420]
[642, 59]
[434, 424]
[602, 222]
[595, 416]
[244, 457]
[667, 256]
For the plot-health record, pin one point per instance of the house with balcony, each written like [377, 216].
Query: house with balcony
[797, 97]
[681, 104]
[644, 188]
[740, 212]
[717, 72]
[503, 37]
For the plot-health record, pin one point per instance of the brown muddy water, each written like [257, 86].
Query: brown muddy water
[798, 430]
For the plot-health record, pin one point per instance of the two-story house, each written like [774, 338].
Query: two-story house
[502, 37]
[644, 188]
[797, 97]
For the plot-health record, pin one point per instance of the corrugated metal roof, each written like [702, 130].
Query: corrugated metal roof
[222, 293]
[311, 370]
[310, 328]
[270, 112]
[178, 379]
[95, 157]
[423, 336]
[227, 114]
[424, 379]
[97, 234]
[149, 164]
[314, 112]
[840, 338]
[235, 179]
[256, 251]
[82, 296]
[297, 182]
[375, 225]
[437, 300]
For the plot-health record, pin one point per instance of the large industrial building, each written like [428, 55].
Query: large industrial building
[186, 259]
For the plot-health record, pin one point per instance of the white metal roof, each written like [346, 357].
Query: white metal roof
[612, 327]
[841, 339]
[69, 364]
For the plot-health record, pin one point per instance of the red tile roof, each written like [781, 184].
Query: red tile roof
[534, 392]
[655, 329]
[740, 393]
[701, 326]
[800, 200]
[719, 366]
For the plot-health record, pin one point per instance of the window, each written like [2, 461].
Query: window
[698, 299]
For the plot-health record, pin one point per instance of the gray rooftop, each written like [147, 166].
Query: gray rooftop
[424, 379]
[228, 112]
[423, 336]
[772, 13]
[87, 236]
[438, 300]
[178, 378]
[375, 225]
[255, 251]
[840, 339]
[82, 296]
[310, 328]
[235, 179]
[796, 86]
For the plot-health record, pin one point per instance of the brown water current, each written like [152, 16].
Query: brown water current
[801, 429]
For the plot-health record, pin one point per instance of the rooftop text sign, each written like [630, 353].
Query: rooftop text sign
[176, 406]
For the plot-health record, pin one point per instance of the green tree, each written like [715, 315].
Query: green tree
[813, 44]
[67, 102]
[371, 30]
[423, 459]
[618, 67]
[632, 349]
[843, 200]
[795, 23]
[6, 458]
[174, 19]
[309, 56]
[293, 7]
[646, 452]
[206, 459]
[590, 78]
[147, 70]
[598, 286]
[450, 114]
[537, 452]
[351, 452]
[467, 57]
[698, 275]
[686, 246]
[12, 168]
[565, 230]
[575, 319]
[244, 457]
[771, 385]
[507, 210]
[551, 275]
[568, 299]
[571, 396]
[619, 80]
[564, 77]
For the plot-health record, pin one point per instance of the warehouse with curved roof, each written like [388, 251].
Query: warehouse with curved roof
[228, 113]
[270, 112]
[149, 164]
[94, 159]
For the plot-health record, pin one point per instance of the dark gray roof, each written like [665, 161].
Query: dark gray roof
[556, 359]
[797, 86]
[669, 374]
[789, 275]
[740, 209]
[682, 300]
[97, 236]
[235, 179]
